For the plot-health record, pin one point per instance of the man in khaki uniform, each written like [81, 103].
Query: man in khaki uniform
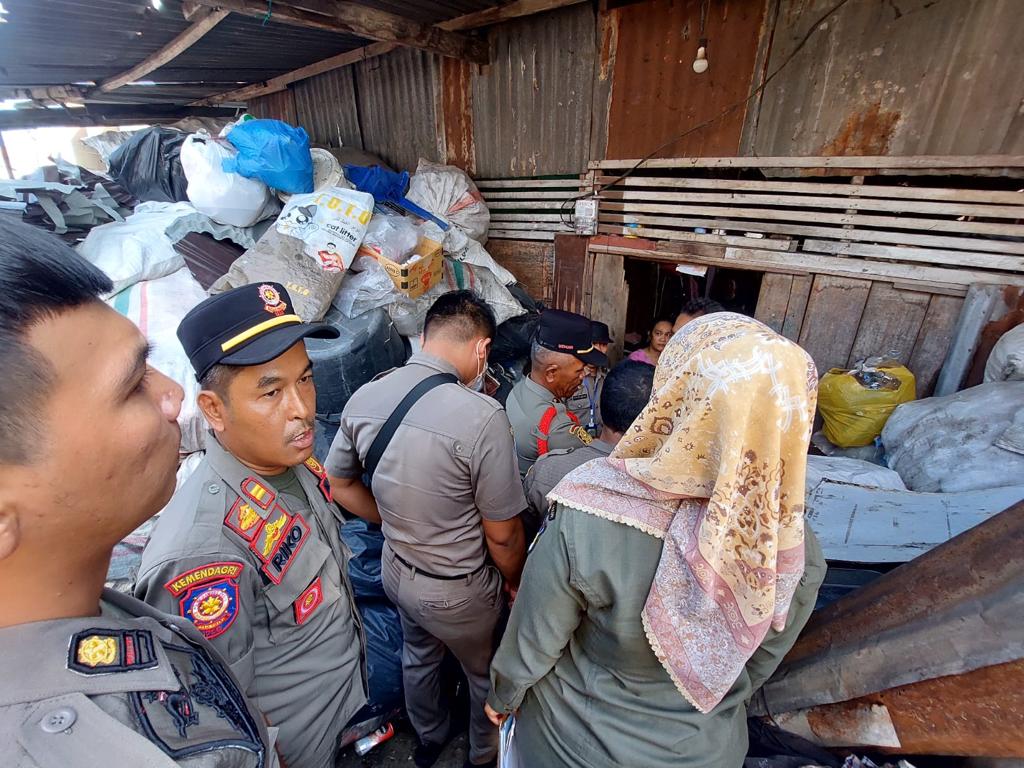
[448, 495]
[88, 450]
[536, 405]
[586, 401]
[249, 548]
[626, 391]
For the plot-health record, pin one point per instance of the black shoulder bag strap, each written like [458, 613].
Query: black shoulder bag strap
[383, 438]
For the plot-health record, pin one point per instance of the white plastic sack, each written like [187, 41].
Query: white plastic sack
[967, 441]
[331, 224]
[157, 307]
[839, 469]
[365, 286]
[460, 247]
[449, 193]
[225, 197]
[1006, 361]
[142, 246]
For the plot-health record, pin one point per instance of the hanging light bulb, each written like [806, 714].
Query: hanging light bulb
[700, 64]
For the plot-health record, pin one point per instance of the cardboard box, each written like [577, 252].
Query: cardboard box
[417, 278]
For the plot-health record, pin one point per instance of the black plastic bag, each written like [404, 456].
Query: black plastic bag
[512, 340]
[149, 165]
[366, 542]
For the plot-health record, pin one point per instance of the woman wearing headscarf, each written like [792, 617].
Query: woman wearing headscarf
[673, 576]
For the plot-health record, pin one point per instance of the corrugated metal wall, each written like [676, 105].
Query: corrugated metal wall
[906, 77]
[532, 106]
[912, 77]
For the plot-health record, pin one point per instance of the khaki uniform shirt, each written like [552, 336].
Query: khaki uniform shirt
[552, 467]
[450, 463]
[576, 658]
[262, 572]
[540, 423]
[130, 687]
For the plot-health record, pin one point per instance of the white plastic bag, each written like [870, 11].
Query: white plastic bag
[449, 193]
[961, 442]
[225, 197]
[365, 286]
[1006, 361]
[331, 224]
[838, 469]
[392, 236]
[142, 246]
[157, 307]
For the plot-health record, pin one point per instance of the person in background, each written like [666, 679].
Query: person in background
[585, 402]
[626, 391]
[661, 332]
[695, 308]
[673, 576]
[249, 548]
[562, 347]
[447, 493]
[88, 451]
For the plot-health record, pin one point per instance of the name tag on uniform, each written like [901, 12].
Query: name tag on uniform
[295, 535]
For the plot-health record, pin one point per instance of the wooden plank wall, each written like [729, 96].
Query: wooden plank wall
[533, 264]
[841, 320]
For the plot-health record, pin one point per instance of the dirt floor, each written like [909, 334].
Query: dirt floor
[397, 751]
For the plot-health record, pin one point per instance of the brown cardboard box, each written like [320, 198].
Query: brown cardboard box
[417, 278]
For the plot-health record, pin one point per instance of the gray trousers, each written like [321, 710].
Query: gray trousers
[460, 615]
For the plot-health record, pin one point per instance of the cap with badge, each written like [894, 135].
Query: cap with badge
[600, 333]
[567, 332]
[249, 325]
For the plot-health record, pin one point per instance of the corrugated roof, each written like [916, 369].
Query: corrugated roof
[62, 42]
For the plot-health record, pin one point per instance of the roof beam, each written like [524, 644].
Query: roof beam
[468, 21]
[106, 114]
[169, 52]
[363, 21]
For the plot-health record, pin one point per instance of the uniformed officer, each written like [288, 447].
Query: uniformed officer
[249, 548]
[88, 451]
[536, 405]
[586, 401]
[446, 490]
[627, 389]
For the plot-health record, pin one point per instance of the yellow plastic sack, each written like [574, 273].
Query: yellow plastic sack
[855, 414]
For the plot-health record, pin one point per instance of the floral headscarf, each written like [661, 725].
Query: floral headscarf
[715, 466]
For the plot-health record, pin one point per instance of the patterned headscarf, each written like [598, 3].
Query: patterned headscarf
[714, 466]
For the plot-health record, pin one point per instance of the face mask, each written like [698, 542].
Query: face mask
[477, 384]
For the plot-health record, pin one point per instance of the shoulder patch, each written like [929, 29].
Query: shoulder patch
[243, 519]
[212, 607]
[309, 601]
[294, 538]
[581, 433]
[258, 492]
[317, 469]
[104, 651]
[224, 570]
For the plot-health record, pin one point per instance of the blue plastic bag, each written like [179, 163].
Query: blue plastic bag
[273, 152]
[389, 187]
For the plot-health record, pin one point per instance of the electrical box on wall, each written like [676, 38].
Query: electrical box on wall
[584, 218]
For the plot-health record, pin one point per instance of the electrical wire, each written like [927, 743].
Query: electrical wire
[710, 121]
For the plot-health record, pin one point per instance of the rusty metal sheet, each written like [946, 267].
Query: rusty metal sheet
[532, 105]
[398, 114]
[913, 77]
[656, 94]
[457, 113]
[954, 609]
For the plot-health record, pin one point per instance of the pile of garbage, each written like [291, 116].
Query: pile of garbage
[184, 215]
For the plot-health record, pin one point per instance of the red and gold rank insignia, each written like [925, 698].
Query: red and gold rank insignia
[287, 549]
[243, 519]
[309, 601]
[271, 534]
[258, 493]
[324, 485]
[272, 301]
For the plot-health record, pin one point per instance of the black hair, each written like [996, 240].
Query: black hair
[463, 314]
[40, 277]
[699, 306]
[626, 391]
[218, 378]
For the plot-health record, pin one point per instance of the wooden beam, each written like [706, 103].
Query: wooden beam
[461, 23]
[106, 114]
[169, 52]
[354, 19]
[929, 162]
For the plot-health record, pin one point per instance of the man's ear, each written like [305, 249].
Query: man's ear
[10, 530]
[550, 373]
[214, 409]
[485, 350]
